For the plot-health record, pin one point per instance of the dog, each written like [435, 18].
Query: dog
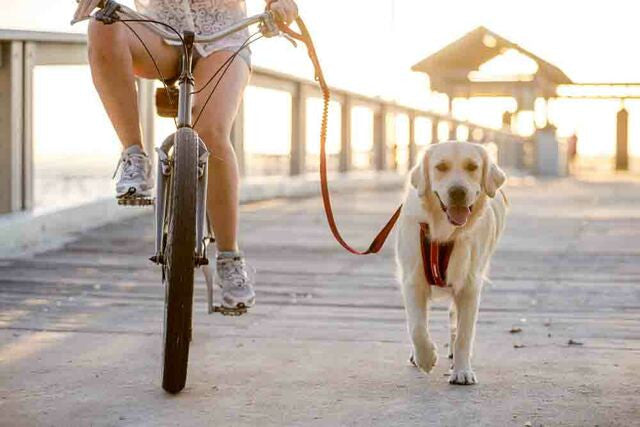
[455, 194]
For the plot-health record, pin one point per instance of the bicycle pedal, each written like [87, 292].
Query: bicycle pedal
[229, 311]
[136, 201]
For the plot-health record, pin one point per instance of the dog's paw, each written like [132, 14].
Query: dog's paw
[424, 359]
[463, 377]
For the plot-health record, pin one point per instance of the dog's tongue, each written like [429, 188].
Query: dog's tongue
[458, 215]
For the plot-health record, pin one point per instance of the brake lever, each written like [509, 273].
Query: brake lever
[108, 14]
[268, 27]
[88, 17]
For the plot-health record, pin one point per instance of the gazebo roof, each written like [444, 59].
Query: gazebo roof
[451, 65]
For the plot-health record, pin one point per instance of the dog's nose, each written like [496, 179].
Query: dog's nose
[457, 195]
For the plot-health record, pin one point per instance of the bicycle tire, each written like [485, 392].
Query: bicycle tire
[179, 261]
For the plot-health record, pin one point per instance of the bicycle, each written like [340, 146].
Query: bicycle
[182, 232]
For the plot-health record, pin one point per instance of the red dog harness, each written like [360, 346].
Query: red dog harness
[435, 258]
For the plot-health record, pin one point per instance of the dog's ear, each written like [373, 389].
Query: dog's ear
[492, 176]
[420, 177]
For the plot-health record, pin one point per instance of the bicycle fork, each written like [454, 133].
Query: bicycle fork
[164, 170]
[163, 178]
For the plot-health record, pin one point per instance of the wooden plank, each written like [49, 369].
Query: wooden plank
[61, 54]
[42, 36]
[264, 80]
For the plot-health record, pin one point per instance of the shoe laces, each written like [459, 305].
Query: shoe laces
[132, 165]
[233, 270]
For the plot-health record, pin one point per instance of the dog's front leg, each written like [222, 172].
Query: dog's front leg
[453, 327]
[425, 352]
[467, 310]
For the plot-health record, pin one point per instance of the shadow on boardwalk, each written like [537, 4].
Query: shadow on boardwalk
[80, 327]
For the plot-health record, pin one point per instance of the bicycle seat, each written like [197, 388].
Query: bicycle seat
[167, 101]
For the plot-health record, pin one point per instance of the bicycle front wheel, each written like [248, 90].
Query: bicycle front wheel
[179, 260]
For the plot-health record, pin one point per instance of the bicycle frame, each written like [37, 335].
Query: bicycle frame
[186, 85]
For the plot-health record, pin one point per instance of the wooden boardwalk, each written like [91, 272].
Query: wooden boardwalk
[80, 326]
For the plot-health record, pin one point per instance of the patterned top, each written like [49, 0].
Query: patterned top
[203, 17]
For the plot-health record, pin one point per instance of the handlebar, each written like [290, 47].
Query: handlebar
[114, 10]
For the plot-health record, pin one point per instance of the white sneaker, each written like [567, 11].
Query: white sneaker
[134, 173]
[231, 276]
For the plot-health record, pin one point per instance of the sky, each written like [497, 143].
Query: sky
[589, 40]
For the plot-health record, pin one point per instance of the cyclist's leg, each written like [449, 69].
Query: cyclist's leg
[215, 129]
[116, 56]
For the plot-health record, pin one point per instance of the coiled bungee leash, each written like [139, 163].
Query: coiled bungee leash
[378, 242]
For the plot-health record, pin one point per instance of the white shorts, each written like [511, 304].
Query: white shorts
[203, 17]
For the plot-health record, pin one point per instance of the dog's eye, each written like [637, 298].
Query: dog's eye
[442, 167]
[471, 167]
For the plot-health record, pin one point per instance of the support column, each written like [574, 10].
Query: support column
[453, 131]
[11, 126]
[412, 139]
[380, 138]
[345, 137]
[622, 140]
[434, 131]
[30, 61]
[298, 130]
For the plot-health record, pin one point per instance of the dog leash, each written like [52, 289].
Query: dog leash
[378, 242]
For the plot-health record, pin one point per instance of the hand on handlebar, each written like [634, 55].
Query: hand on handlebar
[84, 9]
[285, 11]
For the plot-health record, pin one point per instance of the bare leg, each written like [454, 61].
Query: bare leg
[215, 129]
[116, 56]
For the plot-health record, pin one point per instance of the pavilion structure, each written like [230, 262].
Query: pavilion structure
[457, 71]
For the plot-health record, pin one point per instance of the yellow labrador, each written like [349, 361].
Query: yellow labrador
[454, 194]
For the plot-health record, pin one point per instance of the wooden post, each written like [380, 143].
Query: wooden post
[30, 61]
[380, 138]
[237, 139]
[11, 127]
[434, 131]
[345, 137]
[622, 140]
[453, 131]
[412, 139]
[298, 130]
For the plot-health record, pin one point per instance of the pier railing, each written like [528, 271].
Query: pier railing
[21, 51]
